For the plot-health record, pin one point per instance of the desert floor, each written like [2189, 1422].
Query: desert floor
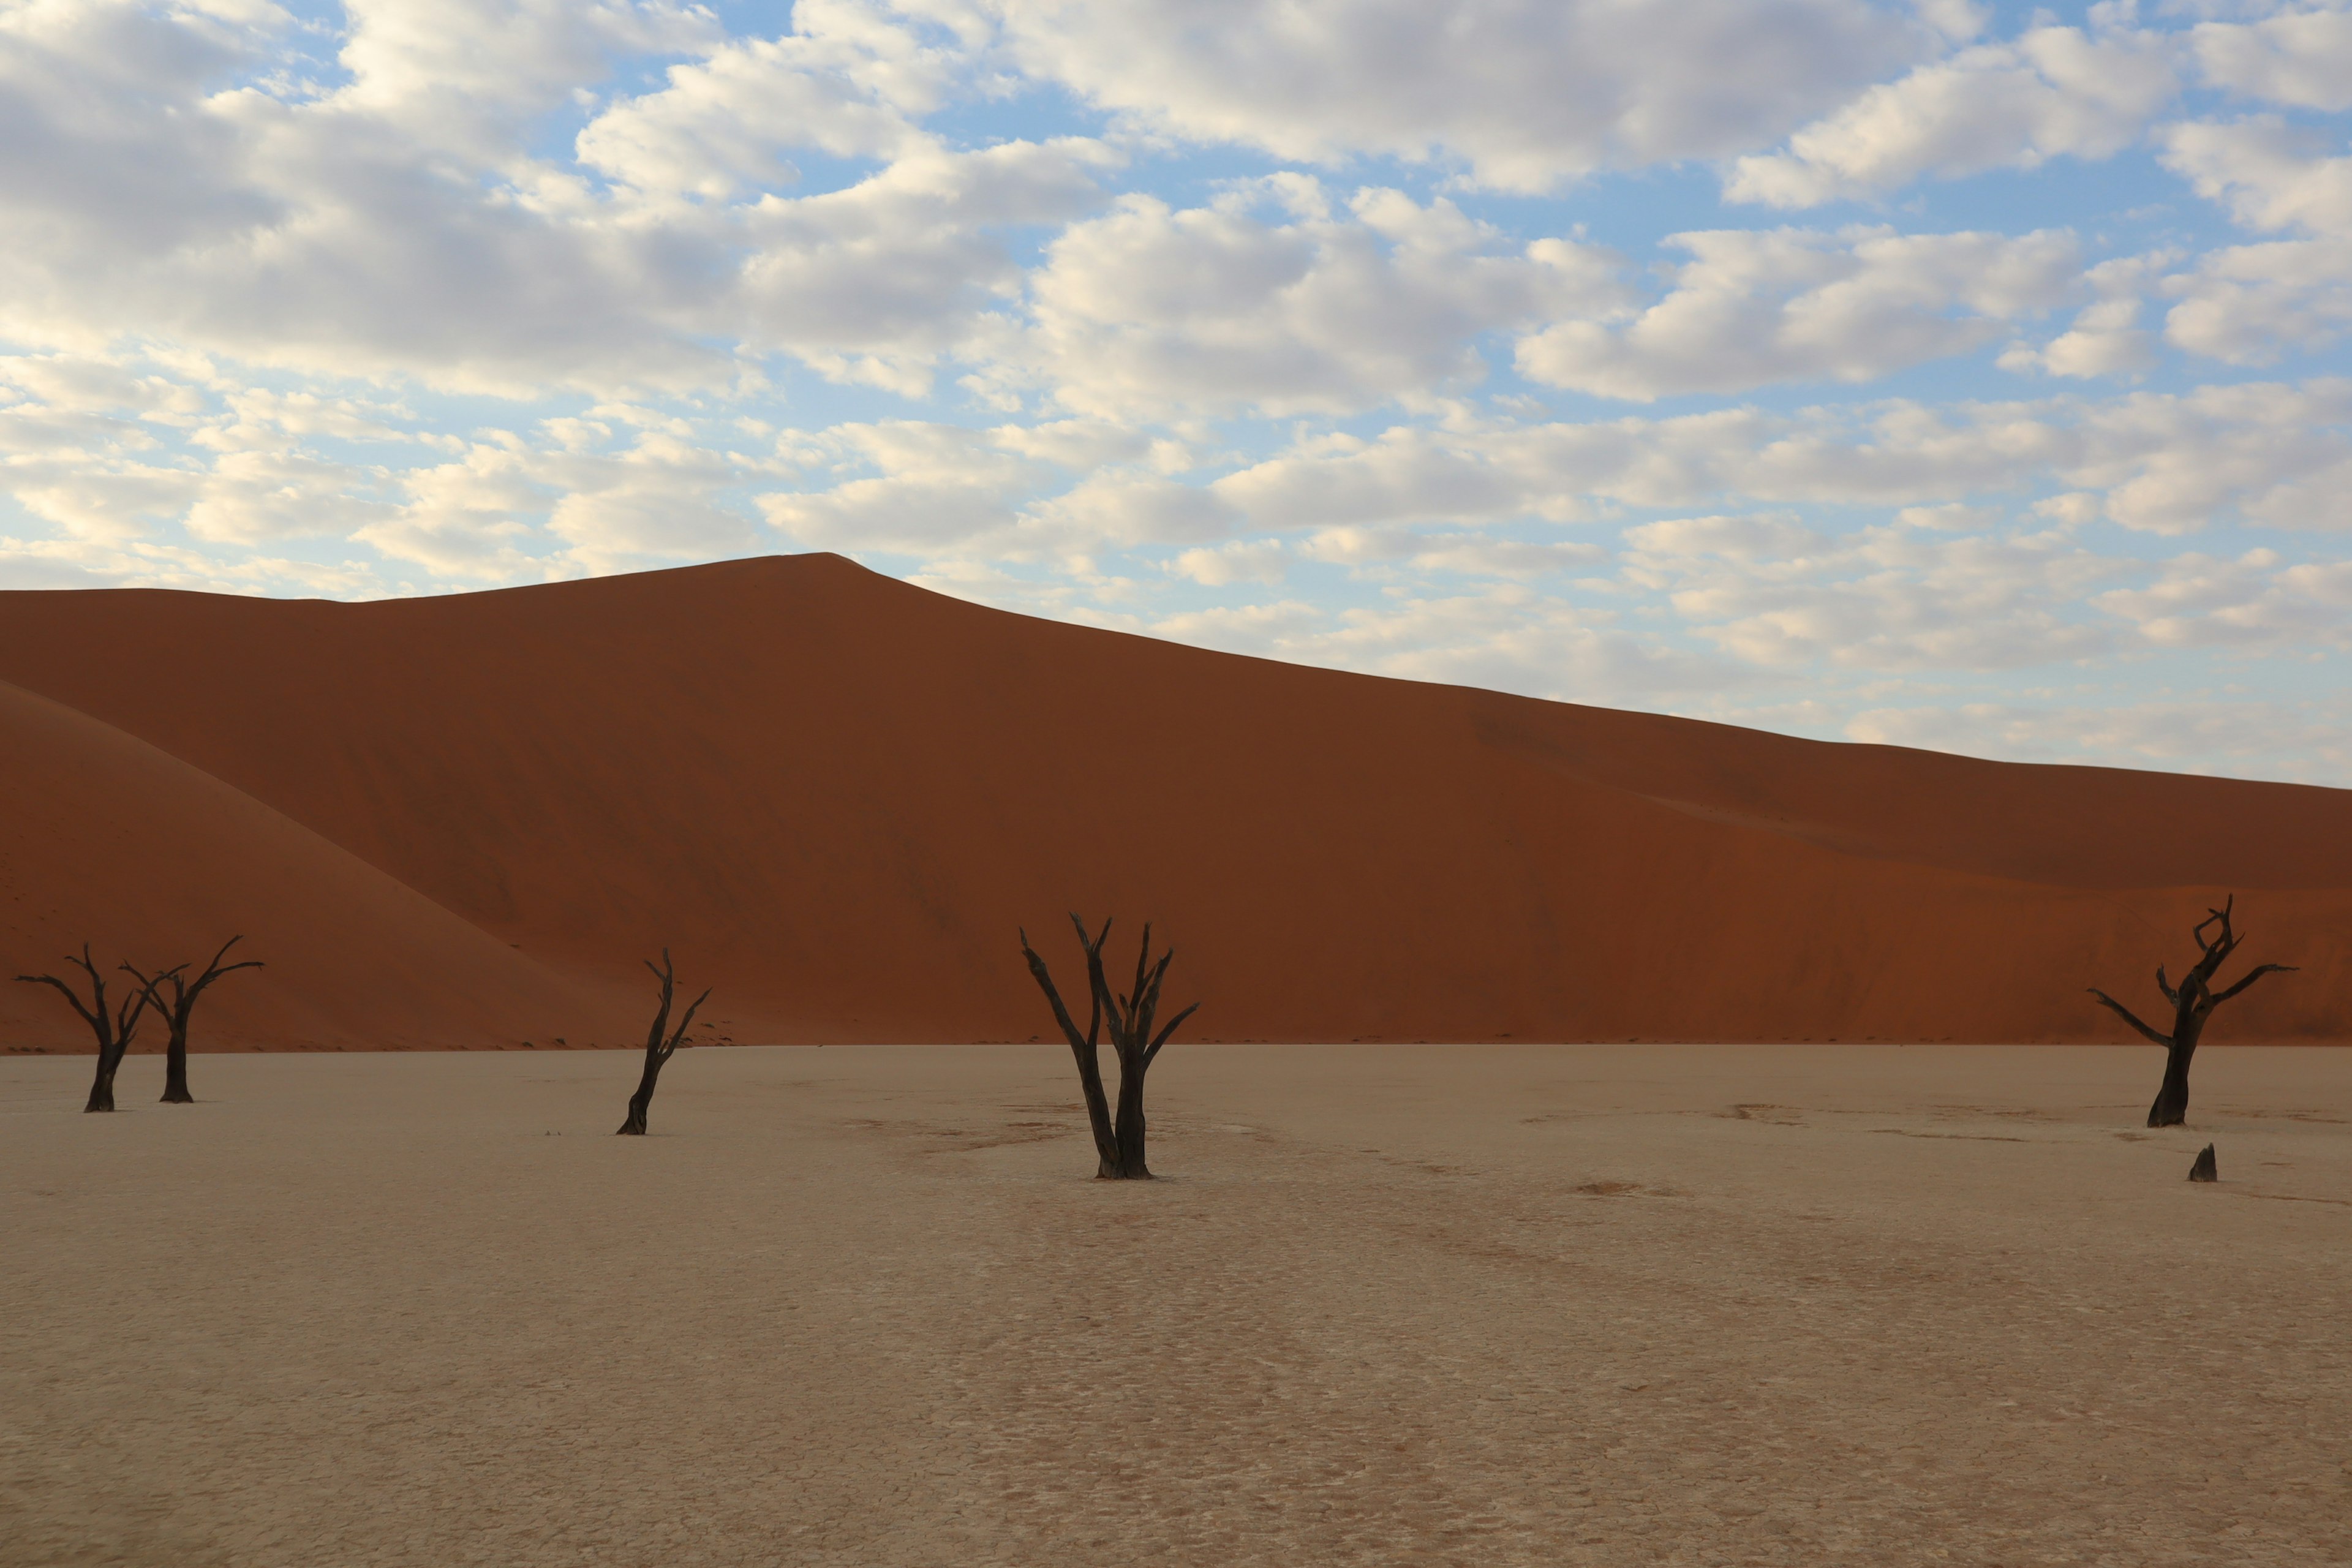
[1633, 1304]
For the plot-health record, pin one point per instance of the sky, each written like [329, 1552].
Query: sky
[1918, 371]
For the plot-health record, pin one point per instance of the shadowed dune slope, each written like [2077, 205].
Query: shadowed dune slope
[113, 840]
[836, 797]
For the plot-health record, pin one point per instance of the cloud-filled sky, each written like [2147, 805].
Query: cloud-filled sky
[1926, 372]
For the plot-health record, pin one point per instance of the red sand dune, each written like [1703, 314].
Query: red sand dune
[463, 821]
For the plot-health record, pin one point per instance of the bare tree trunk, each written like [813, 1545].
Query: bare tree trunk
[659, 1049]
[176, 1075]
[180, 1009]
[1119, 1143]
[114, 1030]
[2171, 1106]
[1129, 1132]
[2193, 1001]
[1085, 1049]
[642, 1102]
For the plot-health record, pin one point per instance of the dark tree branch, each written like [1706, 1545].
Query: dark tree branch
[2251, 976]
[659, 1045]
[2193, 1001]
[2128, 1016]
[1085, 1049]
[114, 1031]
[1152, 1054]
[1129, 1016]
[176, 1012]
[94, 1021]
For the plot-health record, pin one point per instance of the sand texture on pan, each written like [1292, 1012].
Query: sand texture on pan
[1481, 1305]
[836, 796]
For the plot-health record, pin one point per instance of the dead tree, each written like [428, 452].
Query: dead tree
[1118, 1139]
[175, 1014]
[2193, 1003]
[113, 1029]
[658, 1050]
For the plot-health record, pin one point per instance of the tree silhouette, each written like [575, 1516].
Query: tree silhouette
[113, 1029]
[658, 1050]
[1119, 1141]
[175, 1014]
[2193, 1004]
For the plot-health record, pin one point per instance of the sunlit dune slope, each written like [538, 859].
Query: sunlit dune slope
[836, 796]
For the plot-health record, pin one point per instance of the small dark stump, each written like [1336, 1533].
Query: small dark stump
[2205, 1169]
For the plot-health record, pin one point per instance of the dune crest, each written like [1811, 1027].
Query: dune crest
[834, 797]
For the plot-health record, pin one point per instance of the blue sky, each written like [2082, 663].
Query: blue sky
[1936, 373]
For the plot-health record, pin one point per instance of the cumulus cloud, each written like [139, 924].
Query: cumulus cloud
[1314, 306]
[1774, 593]
[725, 122]
[2105, 337]
[2161, 463]
[2218, 735]
[2300, 57]
[2268, 174]
[872, 282]
[931, 489]
[2254, 601]
[1524, 94]
[444, 292]
[1242, 561]
[2053, 92]
[460, 75]
[398, 226]
[1507, 636]
[1751, 309]
[2254, 304]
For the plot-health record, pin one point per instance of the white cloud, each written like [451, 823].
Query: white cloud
[2221, 736]
[2054, 91]
[2253, 304]
[2302, 58]
[1750, 309]
[724, 122]
[1132, 508]
[1507, 637]
[398, 227]
[1477, 555]
[871, 282]
[2252, 602]
[1151, 309]
[1242, 561]
[251, 496]
[936, 490]
[2105, 339]
[461, 76]
[1525, 94]
[432, 292]
[1773, 593]
[2264, 171]
[2162, 463]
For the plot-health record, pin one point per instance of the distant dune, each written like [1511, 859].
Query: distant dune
[463, 821]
